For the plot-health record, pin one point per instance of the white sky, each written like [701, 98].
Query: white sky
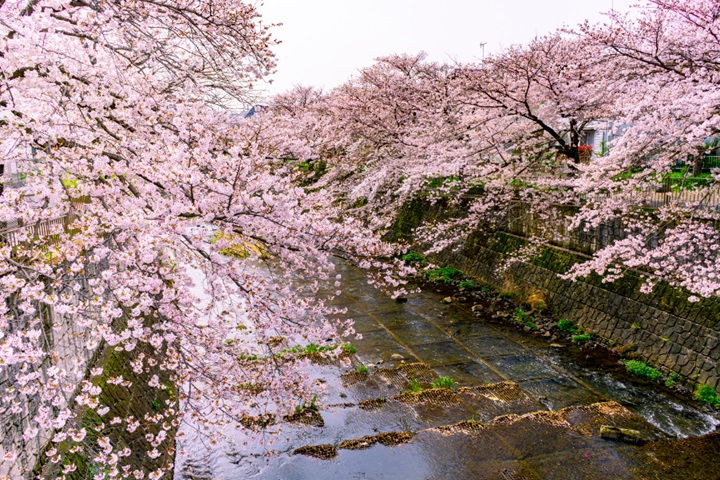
[325, 42]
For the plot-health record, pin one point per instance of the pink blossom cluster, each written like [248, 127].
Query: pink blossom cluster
[121, 116]
[512, 129]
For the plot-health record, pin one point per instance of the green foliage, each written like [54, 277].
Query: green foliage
[707, 394]
[415, 386]
[507, 295]
[632, 171]
[520, 315]
[485, 288]
[642, 369]
[566, 325]
[582, 338]
[530, 324]
[477, 187]
[443, 275]
[348, 348]
[311, 348]
[412, 257]
[672, 380]
[517, 183]
[305, 407]
[444, 382]
[678, 181]
[69, 183]
[438, 182]
[362, 369]
[155, 405]
[318, 168]
[360, 202]
[468, 285]
[98, 471]
[603, 148]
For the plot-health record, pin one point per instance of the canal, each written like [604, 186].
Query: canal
[523, 407]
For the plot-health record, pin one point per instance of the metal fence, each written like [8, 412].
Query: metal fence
[701, 198]
[16, 233]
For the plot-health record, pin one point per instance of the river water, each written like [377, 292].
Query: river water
[523, 408]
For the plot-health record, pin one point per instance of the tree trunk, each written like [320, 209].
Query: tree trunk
[697, 165]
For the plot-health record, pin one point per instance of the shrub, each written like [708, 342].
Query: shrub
[583, 338]
[444, 382]
[672, 380]
[362, 369]
[530, 324]
[468, 285]
[567, 326]
[443, 275]
[412, 257]
[520, 315]
[536, 301]
[707, 394]
[642, 369]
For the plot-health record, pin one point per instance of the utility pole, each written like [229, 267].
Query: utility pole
[482, 45]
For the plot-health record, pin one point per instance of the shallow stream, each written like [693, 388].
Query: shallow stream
[524, 407]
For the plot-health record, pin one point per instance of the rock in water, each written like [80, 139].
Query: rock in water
[621, 434]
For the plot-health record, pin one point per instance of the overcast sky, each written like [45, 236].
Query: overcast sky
[325, 42]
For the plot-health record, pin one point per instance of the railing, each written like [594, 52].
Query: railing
[704, 198]
[14, 235]
[697, 192]
[708, 163]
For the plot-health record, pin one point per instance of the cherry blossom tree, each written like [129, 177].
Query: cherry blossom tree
[666, 102]
[486, 136]
[142, 182]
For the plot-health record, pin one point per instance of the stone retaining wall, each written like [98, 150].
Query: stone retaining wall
[69, 342]
[670, 333]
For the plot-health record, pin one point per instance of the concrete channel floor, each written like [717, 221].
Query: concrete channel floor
[517, 412]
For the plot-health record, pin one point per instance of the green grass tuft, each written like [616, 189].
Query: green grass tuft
[348, 348]
[707, 394]
[444, 382]
[412, 257]
[642, 369]
[583, 338]
[566, 325]
[443, 275]
[415, 386]
[672, 380]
